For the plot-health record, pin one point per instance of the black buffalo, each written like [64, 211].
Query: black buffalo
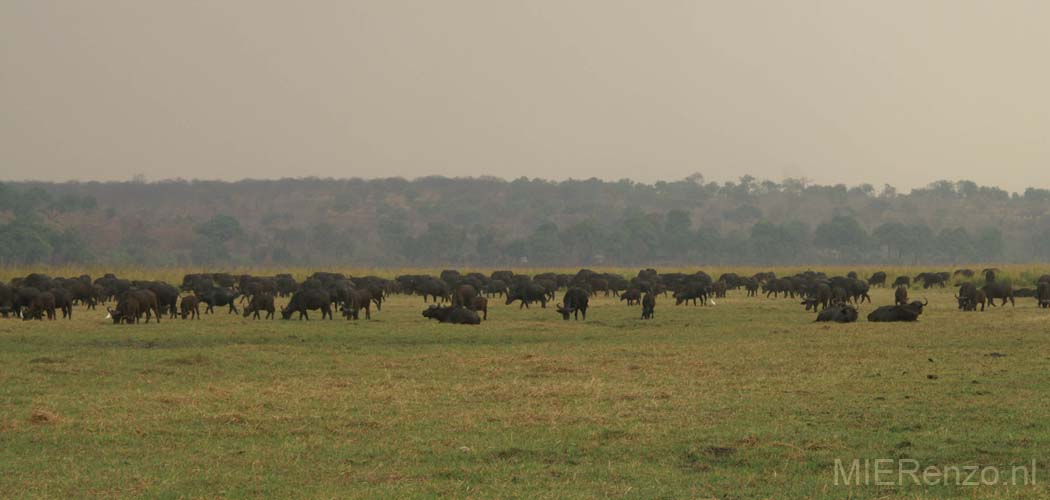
[907, 312]
[877, 278]
[527, 293]
[996, 290]
[1042, 294]
[900, 295]
[261, 301]
[452, 314]
[308, 300]
[190, 306]
[219, 296]
[648, 305]
[838, 313]
[574, 302]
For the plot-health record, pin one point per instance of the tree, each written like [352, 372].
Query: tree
[776, 244]
[678, 233]
[212, 237]
[988, 244]
[544, 246]
[892, 236]
[24, 242]
[842, 234]
[955, 244]
[220, 228]
[440, 243]
[583, 241]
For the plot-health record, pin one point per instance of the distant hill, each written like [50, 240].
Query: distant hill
[490, 222]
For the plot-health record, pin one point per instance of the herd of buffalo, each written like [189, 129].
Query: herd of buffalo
[462, 298]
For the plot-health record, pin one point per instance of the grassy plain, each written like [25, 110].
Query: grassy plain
[745, 399]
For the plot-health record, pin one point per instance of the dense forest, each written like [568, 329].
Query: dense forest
[493, 222]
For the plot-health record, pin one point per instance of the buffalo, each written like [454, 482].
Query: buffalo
[997, 290]
[452, 314]
[907, 312]
[877, 278]
[900, 295]
[481, 304]
[838, 313]
[43, 304]
[261, 301]
[648, 305]
[132, 304]
[219, 296]
[1042, 294]
[527, 293]
[632, 296]
[574, 302]
[355, 301]
[308, 300]
[190, 306]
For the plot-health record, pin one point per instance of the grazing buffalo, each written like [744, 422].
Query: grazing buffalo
[877, 278]
[932, 279]
[354, 302]
[133, 303]
[904, 281]
[219, 296]
[308, 300]
[907, 312]
[261, 301]
[190, 306]
[127, 311]
[633, 296]
[452, 314]
[574, 302]
[967, 296]
[648, 305]
[693, 292]
[43, 304]
[970, 303]
[819, 294]
[527, 293]
[838, 313]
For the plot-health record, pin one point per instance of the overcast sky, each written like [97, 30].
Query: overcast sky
[890, 91]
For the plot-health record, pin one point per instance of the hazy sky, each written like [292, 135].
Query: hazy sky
[890, 91]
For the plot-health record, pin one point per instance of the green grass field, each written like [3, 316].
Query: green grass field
[745, 399]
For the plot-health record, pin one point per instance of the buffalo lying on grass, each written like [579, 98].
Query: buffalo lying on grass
[838, 313]
[907, 312]
[452, 314]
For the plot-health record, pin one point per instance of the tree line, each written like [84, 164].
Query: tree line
[493, 222]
